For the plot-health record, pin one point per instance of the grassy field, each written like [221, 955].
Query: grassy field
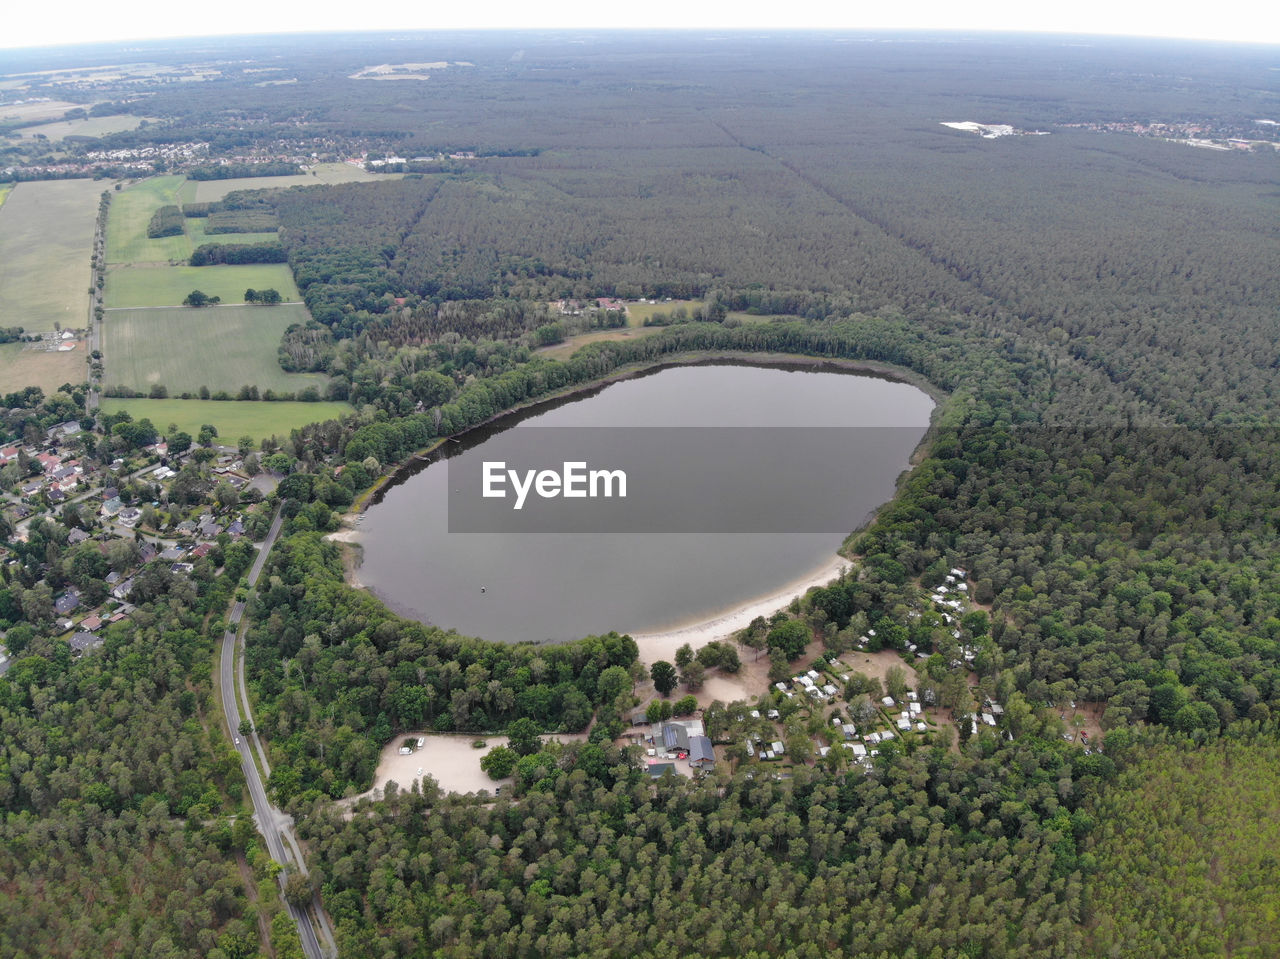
[91, 127]
[195, 232]
[562, 351]
[135, 286]
[182, 349]
[745, 317]
[36, 111]
[21, 368]
[131, 211]
[208, 190]
[5, 190]
[46, 240]
[637, 313]
[232, 419]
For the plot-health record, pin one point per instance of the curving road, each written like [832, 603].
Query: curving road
[276, 827]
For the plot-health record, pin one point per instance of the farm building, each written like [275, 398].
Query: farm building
[701, 753]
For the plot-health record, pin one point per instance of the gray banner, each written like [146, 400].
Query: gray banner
[674, 480]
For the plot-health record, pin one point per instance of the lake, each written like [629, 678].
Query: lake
[739, 479]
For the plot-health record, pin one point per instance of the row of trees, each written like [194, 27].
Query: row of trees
[238, 254]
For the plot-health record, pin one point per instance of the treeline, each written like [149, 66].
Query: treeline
[232, 171]
[202, 209]
[214, 254]
[248, 391]
[240, 221]
[166, 221]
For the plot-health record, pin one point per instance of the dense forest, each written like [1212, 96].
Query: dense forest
[117, 787]
[1099, 310]
[934, 855]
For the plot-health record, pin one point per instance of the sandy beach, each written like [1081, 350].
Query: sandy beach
[348, 534]
[349, 537]
[663, 645]
[448, 757]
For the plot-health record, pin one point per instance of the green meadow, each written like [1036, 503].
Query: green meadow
[183, 349]
[46, 242]
[136, 286]
[232, 418]
[131, 211]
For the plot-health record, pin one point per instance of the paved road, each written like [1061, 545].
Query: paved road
[276, 827]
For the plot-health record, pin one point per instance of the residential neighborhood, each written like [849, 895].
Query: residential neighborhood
[85, 534]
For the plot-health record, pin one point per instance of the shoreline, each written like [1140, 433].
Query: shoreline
[877, 368]
[663, 644]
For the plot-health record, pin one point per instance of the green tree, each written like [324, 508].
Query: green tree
[523, 737]
[684, 706]
[198, 298]
[693, 675]
[499, 762]
[790, 638]
[895, 681]
[613, 682]
[664, 677]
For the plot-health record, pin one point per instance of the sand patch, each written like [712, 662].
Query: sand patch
[449, 758]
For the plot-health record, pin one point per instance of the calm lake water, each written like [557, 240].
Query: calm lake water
[838, 462]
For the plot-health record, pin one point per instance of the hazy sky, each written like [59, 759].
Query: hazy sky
[79, 21]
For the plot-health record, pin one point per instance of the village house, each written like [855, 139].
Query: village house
[67, 602]
[81, 643]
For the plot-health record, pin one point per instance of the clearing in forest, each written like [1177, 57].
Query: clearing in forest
[321, 173]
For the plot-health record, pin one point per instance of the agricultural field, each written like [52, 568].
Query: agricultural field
[196, 234]
[36, 111]
[21, 367]
[183, 349]
[46, 241]
[638, 312]
[742, 316]
[5, 190]
[131, 211]
[137, 286]
[571, 345]
[209, 190]
[232, 418]
[89, 127]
